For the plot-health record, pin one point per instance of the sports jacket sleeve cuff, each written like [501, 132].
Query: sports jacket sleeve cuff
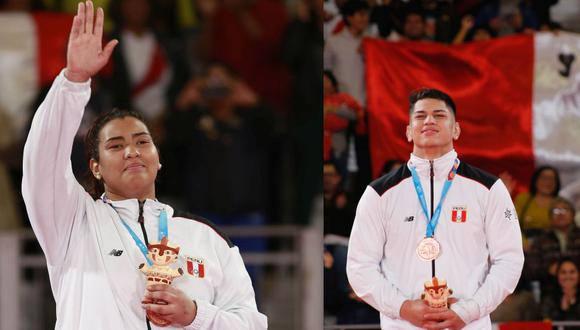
[467, 310]
[74, 86]
[396, 305]
[205, 313]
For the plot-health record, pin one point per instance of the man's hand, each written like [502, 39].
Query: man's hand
[85, 54]
[170, 303]
[414, 311]
[443, 319]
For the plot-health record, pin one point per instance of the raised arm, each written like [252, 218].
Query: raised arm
[51, 193]
[85, 54]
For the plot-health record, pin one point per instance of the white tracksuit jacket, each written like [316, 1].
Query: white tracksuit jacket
[95, 288]
[481, 258]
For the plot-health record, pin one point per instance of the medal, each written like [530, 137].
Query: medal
[428, 249]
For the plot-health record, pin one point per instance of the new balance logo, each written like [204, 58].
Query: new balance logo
[115, 252]
[409, 218]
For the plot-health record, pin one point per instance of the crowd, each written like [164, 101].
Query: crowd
[548, 288]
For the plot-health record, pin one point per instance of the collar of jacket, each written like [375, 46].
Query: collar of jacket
[441, 165]
[128, 209]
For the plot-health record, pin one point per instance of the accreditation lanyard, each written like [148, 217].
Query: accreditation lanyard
[434, 219]
[139, 242]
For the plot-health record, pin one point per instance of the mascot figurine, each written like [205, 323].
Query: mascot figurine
[162, 255]
[436, 293]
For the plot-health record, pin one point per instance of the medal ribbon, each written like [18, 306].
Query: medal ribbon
[162, 232]
[434, 220]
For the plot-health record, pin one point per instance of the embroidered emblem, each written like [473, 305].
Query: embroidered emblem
[195, 267]
[409, 218]
[459, 214]
[116, 253]
[510, 215]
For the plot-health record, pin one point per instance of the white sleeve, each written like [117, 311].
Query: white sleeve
[329, 56]
[506, 257]
[50, 191]
[365, 252]
[234, 306]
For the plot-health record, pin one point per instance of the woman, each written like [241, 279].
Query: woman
[533, 207]
[94, 249]
[564, 303]
[561, 240]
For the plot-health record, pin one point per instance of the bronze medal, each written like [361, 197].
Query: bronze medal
[428, 249]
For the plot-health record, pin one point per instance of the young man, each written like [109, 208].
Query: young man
[436, 216]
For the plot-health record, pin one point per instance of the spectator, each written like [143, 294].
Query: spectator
[220, 140]
[561, 240]
[338, 210]
[142, 70]
[507, 17]
[331, 17]
[343, 117]
[533, 206]
[467, 32]
[386, 16]
[414, 27]
[572, 192]
[343, 51]
[564, 303]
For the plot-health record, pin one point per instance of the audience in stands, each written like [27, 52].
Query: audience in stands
[343, 51]
[343, 117]
[533, 206]
[561, 240]
[563, 303]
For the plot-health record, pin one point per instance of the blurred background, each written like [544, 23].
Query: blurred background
[512, 68]
[232, 92]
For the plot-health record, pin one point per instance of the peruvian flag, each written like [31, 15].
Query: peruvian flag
[518, 100]
[459, 214]
[195, 267]
[32, 53]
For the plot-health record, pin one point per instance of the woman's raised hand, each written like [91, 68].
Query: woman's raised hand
[85, 54]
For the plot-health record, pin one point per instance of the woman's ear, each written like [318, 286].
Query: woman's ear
[95, 168]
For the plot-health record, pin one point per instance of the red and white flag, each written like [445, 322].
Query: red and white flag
[195, 267]
[518, 99]
[32, 53]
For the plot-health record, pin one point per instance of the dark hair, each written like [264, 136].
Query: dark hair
[332, 79]
[566, 259]
[414, 11]
[95, 187]
[430, 93]
[351, 7]
[204, 70]
[534, 189]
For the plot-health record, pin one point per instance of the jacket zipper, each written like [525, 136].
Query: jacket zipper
[431, 176]
[141, 221]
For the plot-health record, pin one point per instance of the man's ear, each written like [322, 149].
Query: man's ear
[409, 134]
[95, 168]
[456, 131]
